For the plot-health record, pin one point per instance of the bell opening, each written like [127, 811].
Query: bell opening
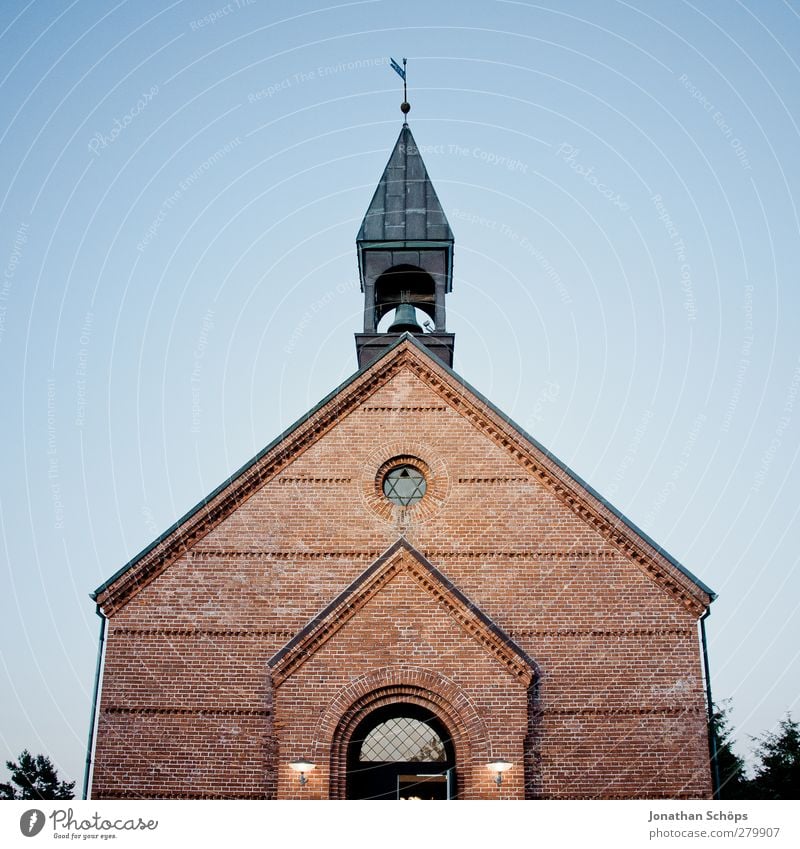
[404, 285]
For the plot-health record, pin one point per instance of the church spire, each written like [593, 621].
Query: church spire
[405, 256]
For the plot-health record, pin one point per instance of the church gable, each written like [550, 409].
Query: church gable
[297, 484]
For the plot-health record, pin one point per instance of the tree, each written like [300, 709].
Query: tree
[733, 782]
[778, 774]
[36, 778]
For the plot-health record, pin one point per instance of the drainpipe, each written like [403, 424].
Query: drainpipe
[712, 733]
[94, 702]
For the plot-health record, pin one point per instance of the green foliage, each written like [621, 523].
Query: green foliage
[35, 778]
[778, 774]
[733, 782]
[777, 771]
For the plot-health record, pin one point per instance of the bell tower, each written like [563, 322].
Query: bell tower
[405, 258]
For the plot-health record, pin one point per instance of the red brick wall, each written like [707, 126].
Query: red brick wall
[619, 705]
[406, 629]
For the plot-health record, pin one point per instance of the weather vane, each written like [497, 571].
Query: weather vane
[405, 106]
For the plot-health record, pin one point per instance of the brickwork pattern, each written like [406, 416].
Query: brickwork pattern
[188, 708]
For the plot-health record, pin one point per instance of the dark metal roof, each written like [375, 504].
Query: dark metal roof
[405, 206]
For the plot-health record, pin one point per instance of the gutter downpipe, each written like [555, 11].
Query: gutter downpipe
[88, 767]
[712, 733]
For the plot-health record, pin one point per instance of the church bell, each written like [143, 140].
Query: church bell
[405, 318]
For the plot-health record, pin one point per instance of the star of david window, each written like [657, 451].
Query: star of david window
[404, 485]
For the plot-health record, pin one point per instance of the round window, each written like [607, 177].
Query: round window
[404, 485]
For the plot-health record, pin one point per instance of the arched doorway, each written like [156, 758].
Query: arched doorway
[401, 751]
[401, 687]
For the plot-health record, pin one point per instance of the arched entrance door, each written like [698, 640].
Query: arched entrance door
[401, 751]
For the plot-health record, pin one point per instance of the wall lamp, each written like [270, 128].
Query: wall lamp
[499, 767]
[303, 766]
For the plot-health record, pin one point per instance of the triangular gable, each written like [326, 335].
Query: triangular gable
[401, 557]
[406, 353]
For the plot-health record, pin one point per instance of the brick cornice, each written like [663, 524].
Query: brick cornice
[400, 558]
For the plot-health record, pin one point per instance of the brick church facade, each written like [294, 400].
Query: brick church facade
[401, 589]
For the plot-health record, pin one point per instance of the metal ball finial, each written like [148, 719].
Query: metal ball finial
[405, 106]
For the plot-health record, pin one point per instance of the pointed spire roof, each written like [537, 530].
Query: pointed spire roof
[405, 207]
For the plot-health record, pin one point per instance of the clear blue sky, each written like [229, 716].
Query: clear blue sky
[179, 198]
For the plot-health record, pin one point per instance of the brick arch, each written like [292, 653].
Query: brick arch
[393, 685]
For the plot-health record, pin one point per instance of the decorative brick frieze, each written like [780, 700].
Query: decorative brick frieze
[309, 481]
[545, 555]
[199, 632]
[490, 481]
[184, 711]
[368, 409]
[589, 710]
[265, 554]
[596, 632]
